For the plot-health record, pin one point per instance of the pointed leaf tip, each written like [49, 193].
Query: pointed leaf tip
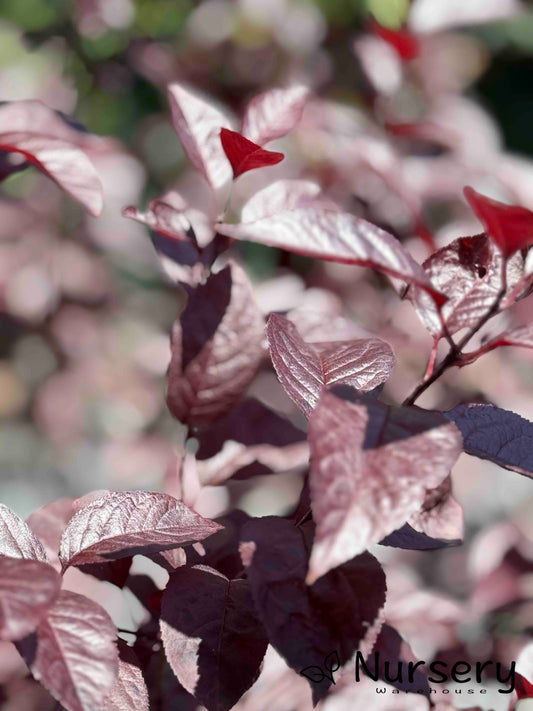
[509, 226]
[245, 155]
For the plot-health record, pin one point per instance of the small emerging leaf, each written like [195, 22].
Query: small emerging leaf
[245, 155]
[510, 226]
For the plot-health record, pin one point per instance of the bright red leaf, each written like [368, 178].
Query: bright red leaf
[405, 43]
[510, 226]
[245, 155]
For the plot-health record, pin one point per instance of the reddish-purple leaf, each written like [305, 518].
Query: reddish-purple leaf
[274, 113]
[17, 539]
[510, 226]
[73, 652]
[326, 233]
[524, 688]
[212, 636]
[129, 692]
[469, 272]
[216, 348]
[245, 155]
[305, 370]
[127, 523]
[198, 123]
[371, 466]
[306, 623]
[249, 441]
[27, 589]
[498, 435]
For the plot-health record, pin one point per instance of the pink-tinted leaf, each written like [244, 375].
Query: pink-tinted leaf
[510, 226]
[212, 636]
[305, 370]
[469, 272]
[274, 113]
[27, 589]
[245, 155]
[520, 336]
[198, 123]
[371, 466]
[48, 524]
[47, 140]
[325, 233]
[436, 15]
[130, 690]
[127, 523]
[438, 524]
[73, 652]
[163, 218]
[216, 348]
[441, 516]
[283, 195]
[306, 623]
[251, 440]
[498, 435]
[17, 539]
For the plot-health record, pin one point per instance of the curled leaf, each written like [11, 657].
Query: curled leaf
[244, 155]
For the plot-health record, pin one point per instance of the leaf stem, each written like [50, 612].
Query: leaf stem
[454, 355]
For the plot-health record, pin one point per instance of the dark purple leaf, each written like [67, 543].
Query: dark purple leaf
[17, 539]
[498, 435]
[244, 155]
[249, 441]
[73, 652]
[130, 690]
[469, 272]
[45, 139]
[306, 623]
[274, 113]
[307, 370]
[213, 638]
[391, 647]
[122, 524]
[27, 590]
[216, 348]
[325, 233]
[371, 466]
[198, 123]
[222, 548]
